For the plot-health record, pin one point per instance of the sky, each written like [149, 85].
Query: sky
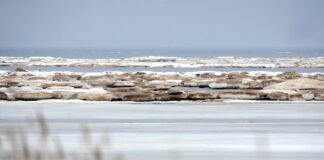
[218, 24]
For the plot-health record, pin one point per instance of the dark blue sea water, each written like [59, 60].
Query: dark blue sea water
[125, 53]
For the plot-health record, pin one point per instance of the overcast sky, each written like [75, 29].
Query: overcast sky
[162, 23]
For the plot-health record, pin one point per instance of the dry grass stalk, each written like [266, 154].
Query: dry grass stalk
[97, 153]
[105, 139]
[86, 134]
[175, 155]
[118, 156]
[44, 129]
[38, 155]
[25, 147]
[11, 134]
[0, 143]
[59, 149]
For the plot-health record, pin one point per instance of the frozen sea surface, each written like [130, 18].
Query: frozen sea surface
[157, 69]
[179, 130]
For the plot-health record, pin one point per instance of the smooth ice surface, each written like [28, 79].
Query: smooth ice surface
[232, 130]
[156, 69]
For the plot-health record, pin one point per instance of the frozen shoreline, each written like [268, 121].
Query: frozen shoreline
[169, 62]
[187, 102]
[161, 86]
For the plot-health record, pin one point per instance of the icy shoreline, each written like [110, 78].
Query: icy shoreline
[161, 86]
[224, 101]
[170, 62]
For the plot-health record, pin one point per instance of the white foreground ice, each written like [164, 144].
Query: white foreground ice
[190, 131]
